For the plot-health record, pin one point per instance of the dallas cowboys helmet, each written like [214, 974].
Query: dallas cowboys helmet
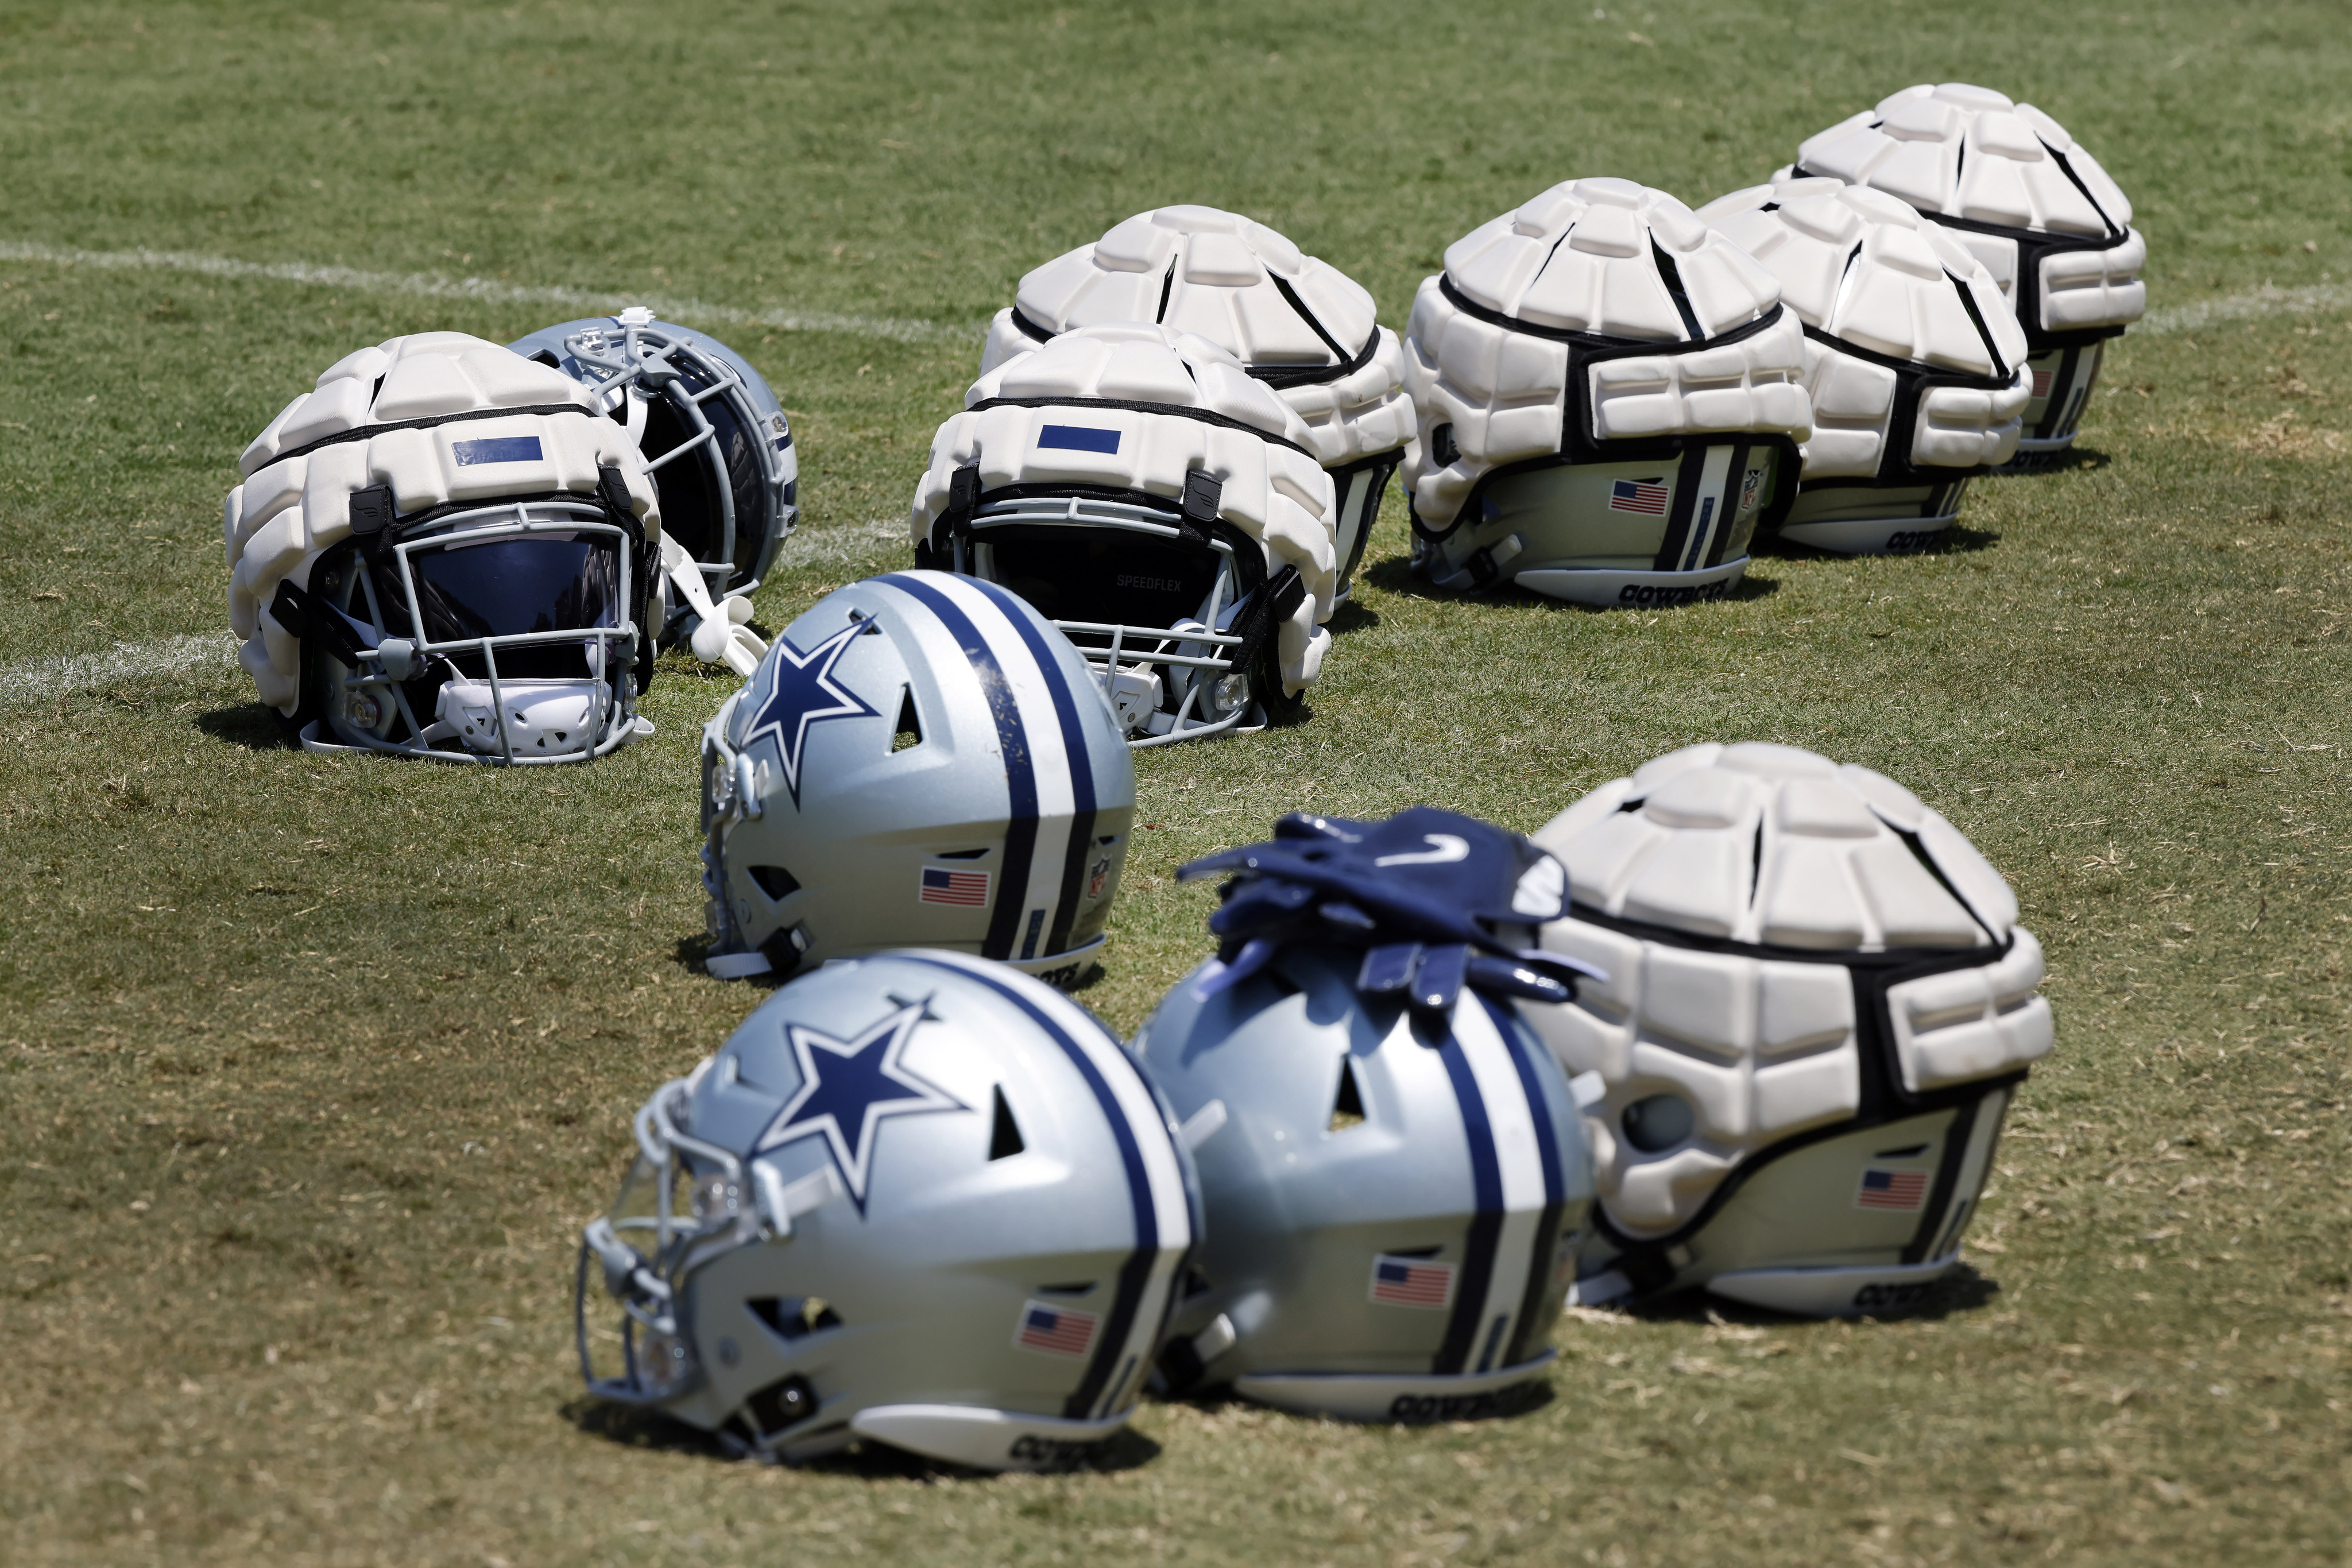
[1818, 1004]
[1165, 510]
[917, 1199]
[920, 759]
[1393, 1173]
[719, 448]
[1295, 321]
[443, 551]
[2031, 202]
[1611, 396]
[1914, 361]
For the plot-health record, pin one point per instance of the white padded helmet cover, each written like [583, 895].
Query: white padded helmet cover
[289, 510]
[1962, 151]
[1582, 258]
[1762, 846]
[1222, 277]
[1866, 269]
[1274, 489]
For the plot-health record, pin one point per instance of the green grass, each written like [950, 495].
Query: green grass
[309, 1068]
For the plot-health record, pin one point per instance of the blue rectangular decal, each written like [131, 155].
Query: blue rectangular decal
[496, 449]
[1078, 438]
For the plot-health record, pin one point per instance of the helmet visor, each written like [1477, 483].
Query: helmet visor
[516, 585]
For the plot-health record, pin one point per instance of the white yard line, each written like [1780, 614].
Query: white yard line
[2264, 301]
[424, 285]
[45, 678]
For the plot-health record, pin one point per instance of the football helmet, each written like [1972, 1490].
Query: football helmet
[1819, 1003]
[720, 450]
[920, 759]
[917, 1199]
[1165, 510]
[1610, 397]
[1393, 1176]
[1295, 321]
[2031, 202]
[442, 551]
[1914, 363]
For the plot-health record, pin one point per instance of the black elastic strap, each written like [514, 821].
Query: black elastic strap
[1179, 410]
[365, 432]
[1276, 601]
[307, 618]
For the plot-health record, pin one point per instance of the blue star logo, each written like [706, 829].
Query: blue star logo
[848, 1087]
[802, 691]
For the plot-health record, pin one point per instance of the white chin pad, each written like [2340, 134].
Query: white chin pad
[986, 1439]
[543, 718]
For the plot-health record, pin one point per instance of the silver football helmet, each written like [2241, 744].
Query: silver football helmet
[2031, 202]
[443, 552]
[917, 1199]
[1610, 397]
[1915, 361]
[920, 759]
[718, 445]
[1295, 321]
[1157, 505]
[1393, 1173]
[1818, 1005]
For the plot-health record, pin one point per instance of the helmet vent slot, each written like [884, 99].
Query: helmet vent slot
[1911, 1153]
[1004, 1132]
[1347, 1104]
[794, 1317]
[910, 727]
[1080, 1287]
[774, 880]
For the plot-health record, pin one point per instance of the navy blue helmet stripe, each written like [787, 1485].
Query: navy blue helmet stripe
[1135, 1274]
[1074, 746]
[1487, 1220]
[1020, 774]
[1542, 1113]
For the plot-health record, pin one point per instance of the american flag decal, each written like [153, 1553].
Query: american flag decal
[1056, 1331]
[1904, 1191]
[967, 888]
[2041, 383]
[1639, 495]
[1412, 1283]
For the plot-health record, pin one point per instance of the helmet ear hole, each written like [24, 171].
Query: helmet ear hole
[774, 880]
[782, 1403]
[1658, 1123]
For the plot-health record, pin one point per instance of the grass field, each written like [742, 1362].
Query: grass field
[309, 1068]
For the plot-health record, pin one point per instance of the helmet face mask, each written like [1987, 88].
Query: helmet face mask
[715, 437]
[1167, 608]
[512, 632]
[916, 1199]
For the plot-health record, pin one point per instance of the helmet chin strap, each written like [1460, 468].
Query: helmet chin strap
[718, 633]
